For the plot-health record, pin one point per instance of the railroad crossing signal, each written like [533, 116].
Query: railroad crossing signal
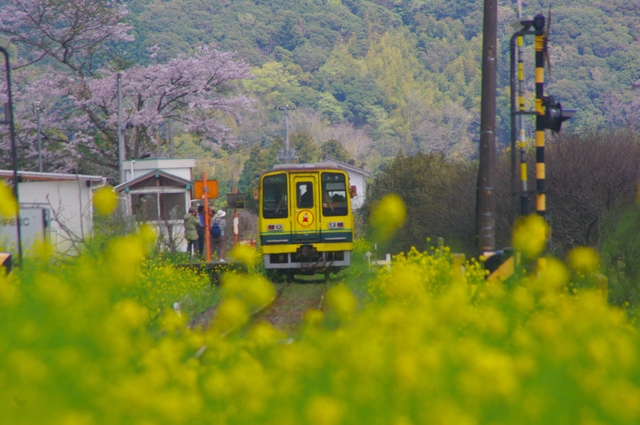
[554, 115]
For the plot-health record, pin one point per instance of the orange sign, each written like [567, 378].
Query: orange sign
[212, 185]
[305, 218]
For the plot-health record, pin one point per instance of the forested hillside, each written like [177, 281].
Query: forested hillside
[379, 77]
[406, 67]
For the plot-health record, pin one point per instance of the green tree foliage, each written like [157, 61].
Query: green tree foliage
[405, 71]
[251, 172]
[306, 150]
[276, 84]
[434, 190]
[260, 160]
[334, 149]
[288, 35]
[591, 182]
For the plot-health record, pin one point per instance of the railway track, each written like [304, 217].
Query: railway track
[284, 312]
[287, 310]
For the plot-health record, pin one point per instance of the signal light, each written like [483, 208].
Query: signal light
[554, 115]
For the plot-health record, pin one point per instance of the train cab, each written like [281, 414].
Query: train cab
[306, 219]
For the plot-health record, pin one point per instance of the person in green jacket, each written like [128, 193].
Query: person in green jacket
[191, 224]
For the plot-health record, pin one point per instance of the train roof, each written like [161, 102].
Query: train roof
[305, 167]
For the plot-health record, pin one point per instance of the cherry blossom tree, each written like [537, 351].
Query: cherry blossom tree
[194, 91]
[67, 33]
[78, 104]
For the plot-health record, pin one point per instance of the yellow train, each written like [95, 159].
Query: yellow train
[305, 219]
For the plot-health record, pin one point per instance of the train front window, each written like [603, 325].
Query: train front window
[334, 194]
[304, 193]
[274, 198]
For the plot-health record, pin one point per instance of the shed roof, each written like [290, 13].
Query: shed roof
[154, 174]
[37, 176]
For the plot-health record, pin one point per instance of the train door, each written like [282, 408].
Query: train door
[306, 208]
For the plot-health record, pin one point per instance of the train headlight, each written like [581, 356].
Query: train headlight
[336, 225]
[274, 227]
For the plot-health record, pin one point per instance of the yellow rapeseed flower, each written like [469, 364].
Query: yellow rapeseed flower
[554, 276]
[52, 289]
[388, 215]
[325, 410]
[9, 289]
[245, 254]
[342, 302]
[255, 291]
[171, 321]
[404, 283]
[530, 235]
[8, 203]
[264, 334]
[42, 249]
[131, 314]
[313, 317]
[232, 313]
[584, 260]
[124, 256]
[105, 200]
[27, 365]
[147, 235]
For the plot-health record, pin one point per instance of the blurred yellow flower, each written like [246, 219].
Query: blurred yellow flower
[246, 254]
[341, 301]
[553, 277]
[42, 249]
[147, 235]
[232, 313]
[9, 290]
[388, 215]
[325, 410]
[124, 256]
[52, 289]
[171, 321]
[8, 203]
[530, 235]
[131, 314]
[313, 317]
[105, 200]
[255, 291]
[264, 334]
[584, 260]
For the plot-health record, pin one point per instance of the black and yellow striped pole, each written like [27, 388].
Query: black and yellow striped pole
[541, 196]
[541, 200]
[517, 109]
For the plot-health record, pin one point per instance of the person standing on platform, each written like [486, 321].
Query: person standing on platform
[212, 215]
[200, 229]
[218, 226]
[191, 223]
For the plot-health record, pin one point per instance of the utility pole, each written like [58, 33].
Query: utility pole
[486, 201]
[524, 198]
[287, 152]
[172, 148]
[37, 108]
[8, 120]
[120, 130]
